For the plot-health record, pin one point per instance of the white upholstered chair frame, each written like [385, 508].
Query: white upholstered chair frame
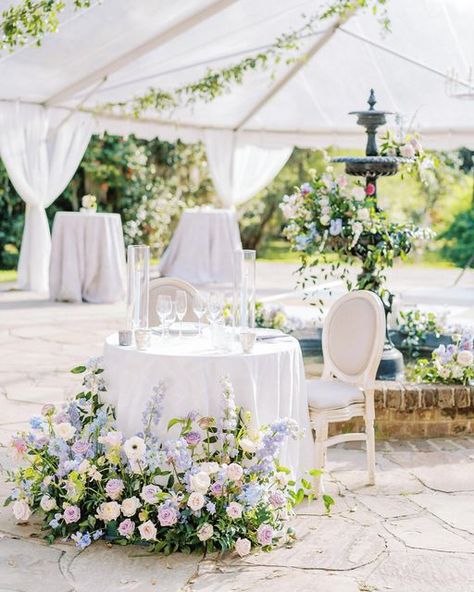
[168, 285]
[364, 378]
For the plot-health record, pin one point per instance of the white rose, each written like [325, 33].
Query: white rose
[83, 467]
[243, 546]
[407, 151]
[443, 372]
[357, 227]
[21, 511]
[209, 467]
[325, 220]
[112, 438]
[134, 448]
[324, 202]
[234, 472]
[64, 430]
[457, 371]
[358, 193]
[47, 503]
[196, 501]
[363, 214]
[205, 532]
[108, 511]
[130, 505]
[200, 482]
[325, 210]
[465, 358]
[282, 479]
[248, 445]
[147, 530]
[234, 510]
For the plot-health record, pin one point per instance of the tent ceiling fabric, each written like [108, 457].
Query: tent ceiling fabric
[117, 49]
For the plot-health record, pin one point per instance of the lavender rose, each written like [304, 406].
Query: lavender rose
[167, 516]
[265, 535]
[71, 514]
[149, 493]
[193, 438]
[126, 528]
[114, 488]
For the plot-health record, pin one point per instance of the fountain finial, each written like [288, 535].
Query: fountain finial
[372, 100]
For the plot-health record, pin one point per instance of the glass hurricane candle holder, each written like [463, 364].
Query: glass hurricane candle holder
[244, 289]
[138, 263]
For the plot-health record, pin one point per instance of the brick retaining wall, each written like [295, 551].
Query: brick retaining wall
[404, 410]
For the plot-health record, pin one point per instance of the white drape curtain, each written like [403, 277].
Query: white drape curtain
[239, 170]
[41, 149]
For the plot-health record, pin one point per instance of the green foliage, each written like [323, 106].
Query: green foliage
[30, 20]
[415, 326]
[147, 182]
[459, 237]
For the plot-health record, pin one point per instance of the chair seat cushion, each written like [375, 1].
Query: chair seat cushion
[332, 394]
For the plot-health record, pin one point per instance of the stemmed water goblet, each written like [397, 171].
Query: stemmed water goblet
[181, 304]
[171, 317]
[216, 306]
[163, 308]
[199, 308]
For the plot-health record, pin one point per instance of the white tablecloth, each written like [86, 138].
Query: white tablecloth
[87, 258]
[269, 382]
[202, 248]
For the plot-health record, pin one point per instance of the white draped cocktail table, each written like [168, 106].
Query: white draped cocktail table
[202, 248]
[269, 382]
[87, 258]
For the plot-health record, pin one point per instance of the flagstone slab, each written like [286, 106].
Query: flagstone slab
[334, 544]
[425, 532]
[457, 510]
[447, 471]
[265, 579]
[30, 567]
[115, 568]
[423, 571]
[389, 506]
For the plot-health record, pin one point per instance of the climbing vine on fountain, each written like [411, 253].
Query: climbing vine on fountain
[334, 226]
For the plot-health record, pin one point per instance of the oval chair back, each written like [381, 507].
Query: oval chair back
[353, 337]
[170, 286]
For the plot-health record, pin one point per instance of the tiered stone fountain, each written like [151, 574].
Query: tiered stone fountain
[372, 166]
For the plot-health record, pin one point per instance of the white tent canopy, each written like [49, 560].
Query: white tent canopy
[117, 49]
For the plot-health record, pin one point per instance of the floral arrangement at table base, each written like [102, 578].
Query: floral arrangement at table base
[217, 486]
[449, 364]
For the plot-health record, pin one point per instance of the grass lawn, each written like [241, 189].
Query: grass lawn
[7, 275]
[278, 250]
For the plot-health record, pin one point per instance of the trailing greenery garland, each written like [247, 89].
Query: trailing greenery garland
[217, 82]
[30, 21]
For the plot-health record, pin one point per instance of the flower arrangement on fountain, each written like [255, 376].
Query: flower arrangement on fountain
[449, 364]
[410, 148]
[331, 223]
[217, 486]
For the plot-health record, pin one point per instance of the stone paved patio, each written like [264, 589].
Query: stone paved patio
[412, 532]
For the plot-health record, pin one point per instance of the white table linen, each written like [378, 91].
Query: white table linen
[87, 258]
[202, 248]
[269, 382]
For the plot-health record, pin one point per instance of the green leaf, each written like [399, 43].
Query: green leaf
[173, 422]
[328, 502]
[78, 369]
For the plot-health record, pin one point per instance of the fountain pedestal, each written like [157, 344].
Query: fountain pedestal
[371, 167]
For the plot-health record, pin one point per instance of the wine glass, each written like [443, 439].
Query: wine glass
[163, 308]
[181, 303]
[216, 305]
[171, 317]
[199, 308]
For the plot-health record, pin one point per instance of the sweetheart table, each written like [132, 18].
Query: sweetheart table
[87, 258]
[269, 382]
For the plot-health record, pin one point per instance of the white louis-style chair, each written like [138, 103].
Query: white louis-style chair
[170, 286]
[353, 340]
